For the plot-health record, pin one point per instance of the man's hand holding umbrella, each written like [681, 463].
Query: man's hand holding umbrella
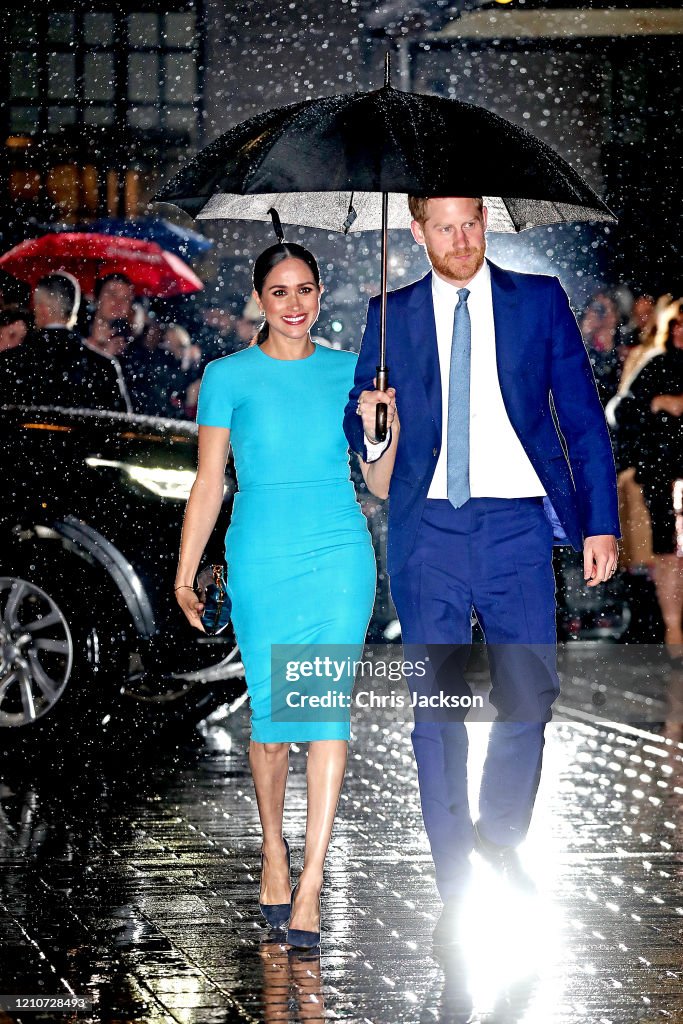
[367, 410]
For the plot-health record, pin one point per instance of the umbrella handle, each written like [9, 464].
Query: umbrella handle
[381, 409]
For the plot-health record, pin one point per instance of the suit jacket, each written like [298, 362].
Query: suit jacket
[548, 390]
[54, 367]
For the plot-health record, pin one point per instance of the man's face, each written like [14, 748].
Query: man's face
[453, 235]
[115, 301]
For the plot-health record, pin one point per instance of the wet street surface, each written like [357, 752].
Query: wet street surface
[129, 877]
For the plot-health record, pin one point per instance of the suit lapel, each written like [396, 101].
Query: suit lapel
[505, 322]
[424, 346]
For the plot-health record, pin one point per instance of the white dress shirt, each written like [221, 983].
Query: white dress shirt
[499, 466]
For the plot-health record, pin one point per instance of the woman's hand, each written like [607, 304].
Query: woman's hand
[673, 404]
[367, 409]
[191, 607]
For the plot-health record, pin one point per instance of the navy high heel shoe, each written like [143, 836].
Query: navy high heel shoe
[277, 914]
[298, 937]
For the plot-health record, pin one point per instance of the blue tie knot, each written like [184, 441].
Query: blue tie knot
[463, 294]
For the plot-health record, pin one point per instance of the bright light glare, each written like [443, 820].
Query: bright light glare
[514, 944]
[165, 483]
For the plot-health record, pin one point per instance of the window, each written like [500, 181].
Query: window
[106, 66]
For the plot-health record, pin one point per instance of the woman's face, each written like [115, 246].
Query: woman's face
[290, 299]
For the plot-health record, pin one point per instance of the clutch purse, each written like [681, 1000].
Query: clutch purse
[212, 584]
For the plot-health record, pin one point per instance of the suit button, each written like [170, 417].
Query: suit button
[434, 452]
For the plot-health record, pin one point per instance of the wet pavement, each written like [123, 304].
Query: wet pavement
[129, 877]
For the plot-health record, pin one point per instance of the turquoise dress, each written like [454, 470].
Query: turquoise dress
[301, 567]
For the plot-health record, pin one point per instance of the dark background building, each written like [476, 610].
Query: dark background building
[102, 100]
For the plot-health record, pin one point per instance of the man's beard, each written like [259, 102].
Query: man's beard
[456, 269]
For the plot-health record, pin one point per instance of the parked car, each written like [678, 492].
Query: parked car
[90, 518]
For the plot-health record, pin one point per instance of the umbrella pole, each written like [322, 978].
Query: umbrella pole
[383, 369]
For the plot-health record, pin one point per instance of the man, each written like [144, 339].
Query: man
[53, 366]
[484, 362]
[152, 374]
[114, 294]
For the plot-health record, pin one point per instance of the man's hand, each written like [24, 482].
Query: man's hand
[367, 410]
[673, 404]
[600, 557]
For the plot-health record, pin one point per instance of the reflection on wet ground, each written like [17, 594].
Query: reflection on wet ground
[132, 880]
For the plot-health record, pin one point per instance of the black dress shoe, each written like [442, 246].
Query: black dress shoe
[505, 860]
[446, 931]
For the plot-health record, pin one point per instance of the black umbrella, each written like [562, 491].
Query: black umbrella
[347, 163]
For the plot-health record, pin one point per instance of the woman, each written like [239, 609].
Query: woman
[636, 541]
[301, 568]
[651, 412]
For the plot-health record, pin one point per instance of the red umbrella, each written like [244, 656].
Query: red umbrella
[152, 270]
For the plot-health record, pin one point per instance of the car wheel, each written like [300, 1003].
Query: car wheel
[36, 652]
[52, 658]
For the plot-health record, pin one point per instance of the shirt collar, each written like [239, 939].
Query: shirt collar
[447, 292]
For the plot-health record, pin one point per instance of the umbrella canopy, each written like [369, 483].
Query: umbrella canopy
[153, 271]
[348, 162]
[184, 242]
[344, 151]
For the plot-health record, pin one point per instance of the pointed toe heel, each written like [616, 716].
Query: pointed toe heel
[277, 914]
[299, 938]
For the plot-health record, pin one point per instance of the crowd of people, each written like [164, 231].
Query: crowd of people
[119, 352]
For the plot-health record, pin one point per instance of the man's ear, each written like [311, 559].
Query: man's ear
[418, 233]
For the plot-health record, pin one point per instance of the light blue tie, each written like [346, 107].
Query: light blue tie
[458, 450]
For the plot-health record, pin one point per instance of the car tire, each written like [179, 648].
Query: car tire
[59, 663]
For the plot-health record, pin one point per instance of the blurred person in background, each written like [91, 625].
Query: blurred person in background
[599, 328]
[216, 330]
[249, 323]
[153, 375]
[648, 342]
[15, 324]
[650, 414]
[114, 294]
[640, 318]
[53, 366]
[646, 335]
[188, 356]
[177, 341]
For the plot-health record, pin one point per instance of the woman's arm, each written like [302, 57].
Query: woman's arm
[201, 513]
[377, 475]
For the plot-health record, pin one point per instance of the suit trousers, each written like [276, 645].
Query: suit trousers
[492, 556]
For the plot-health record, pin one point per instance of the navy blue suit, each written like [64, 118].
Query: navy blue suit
[492, 555]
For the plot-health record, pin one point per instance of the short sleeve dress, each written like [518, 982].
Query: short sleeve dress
[301, 567]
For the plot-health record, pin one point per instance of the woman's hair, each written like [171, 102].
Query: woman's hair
[269, 259]
[665, 326]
